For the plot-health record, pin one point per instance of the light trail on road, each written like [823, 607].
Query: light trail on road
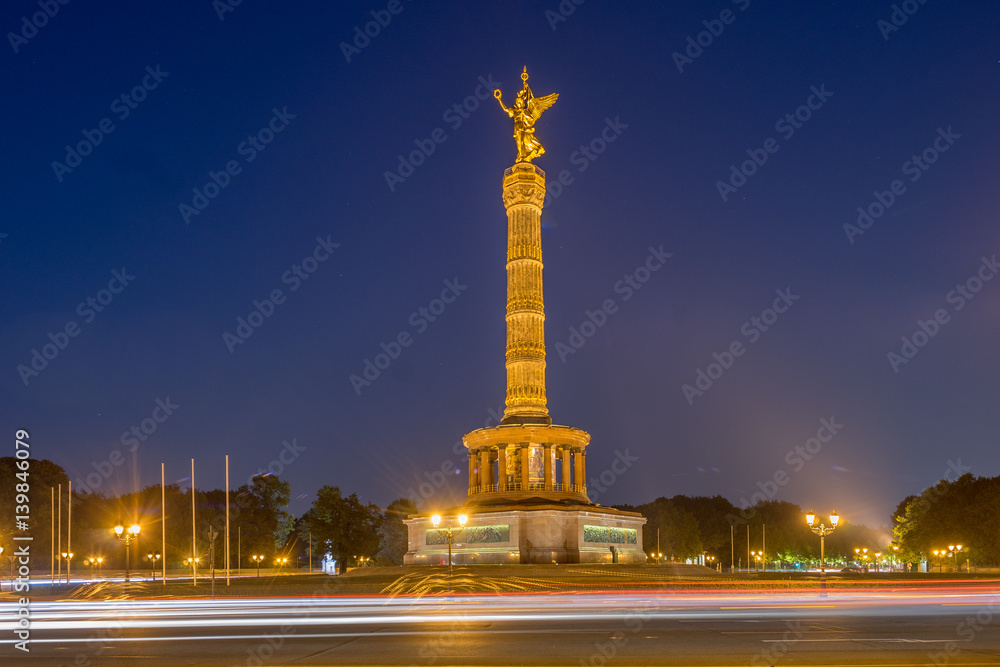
[732, 625]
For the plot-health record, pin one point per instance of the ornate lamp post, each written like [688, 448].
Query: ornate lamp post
[258, 560]
[757, 555]
[822, 530]
[67, 556]
[193, 562]
[153, 557]
[280, 562]
[436, 519]
[92, 561]
[953, 550]
[126, 536]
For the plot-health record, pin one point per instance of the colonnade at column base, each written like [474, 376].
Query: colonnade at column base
[523, 463]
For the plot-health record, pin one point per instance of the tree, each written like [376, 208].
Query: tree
[710, 513]
[261, 516]
[678, 530]
[393, 542]
[343, 527]
[42, 476]
[962, 511]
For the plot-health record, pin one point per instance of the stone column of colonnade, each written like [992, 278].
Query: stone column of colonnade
[488, 472]
[523, 194]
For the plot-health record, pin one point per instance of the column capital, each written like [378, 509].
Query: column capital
[524, 183]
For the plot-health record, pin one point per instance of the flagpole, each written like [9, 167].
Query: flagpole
[227, 519]
[59, 538]
[194, 563]
[69, 530]
[52, 541]
[163, 523]
[748, 548]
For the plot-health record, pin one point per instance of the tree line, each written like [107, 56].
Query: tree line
[354, 533]
[963, 512]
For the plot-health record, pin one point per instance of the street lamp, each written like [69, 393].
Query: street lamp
[153, 557]
[67, 556]
[92, 561]
[258, 560]
[757, 555]
[878, 556]
[126, 536]
[436, 519]
[953, 550]
[193, 562]
[822, 530]
[279, 562]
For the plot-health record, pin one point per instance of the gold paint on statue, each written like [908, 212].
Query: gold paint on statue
[526, 111]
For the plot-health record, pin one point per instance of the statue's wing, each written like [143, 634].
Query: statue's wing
[536, 105]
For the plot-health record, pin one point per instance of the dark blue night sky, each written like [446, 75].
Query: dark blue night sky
[249, 156]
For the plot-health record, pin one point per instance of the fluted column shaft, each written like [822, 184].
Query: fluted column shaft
[484, 468]
[566, 472]
[525, 465]
[579, 474]
[502, 468]
[472, 471]
[547, 466]
[523, 194]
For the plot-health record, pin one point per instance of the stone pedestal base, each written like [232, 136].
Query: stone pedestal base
[542, 534]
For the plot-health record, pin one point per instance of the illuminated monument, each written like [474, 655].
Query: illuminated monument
[527, 477]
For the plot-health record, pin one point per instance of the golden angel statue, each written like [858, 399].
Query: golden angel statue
[526, 110]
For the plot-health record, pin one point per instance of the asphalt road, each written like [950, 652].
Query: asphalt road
[953, 627]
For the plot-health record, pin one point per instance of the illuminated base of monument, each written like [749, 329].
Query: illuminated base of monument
[528, 533]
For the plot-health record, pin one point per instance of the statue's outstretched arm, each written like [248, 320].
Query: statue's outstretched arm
[497, 94]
